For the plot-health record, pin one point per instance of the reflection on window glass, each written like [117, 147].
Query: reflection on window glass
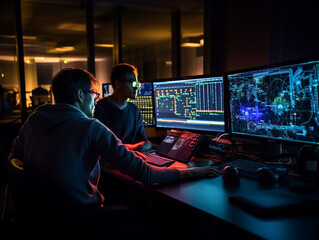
[192, 43]
[9, 82]
[54, 37]
[103, 34]
[147, 42]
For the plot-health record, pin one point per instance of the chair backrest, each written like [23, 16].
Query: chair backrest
[37, 204]
[39, 99]
[39, 207]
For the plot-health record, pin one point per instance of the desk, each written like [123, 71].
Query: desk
[209, 198]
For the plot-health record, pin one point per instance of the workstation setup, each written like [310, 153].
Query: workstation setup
[209, 130]
[259, 129]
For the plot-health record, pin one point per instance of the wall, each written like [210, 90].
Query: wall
[267, 31]
[247, 33]
[293, 30]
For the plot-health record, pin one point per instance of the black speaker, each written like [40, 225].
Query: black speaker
[307, 161]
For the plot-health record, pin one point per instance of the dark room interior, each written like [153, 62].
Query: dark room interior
[216, 82]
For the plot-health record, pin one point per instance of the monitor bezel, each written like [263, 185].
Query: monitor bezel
[247, 136]
[182, 78]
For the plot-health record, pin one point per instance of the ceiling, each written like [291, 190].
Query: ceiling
[155, 5]
[50, 25]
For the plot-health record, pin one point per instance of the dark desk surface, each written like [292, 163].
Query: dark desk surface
[211, 197]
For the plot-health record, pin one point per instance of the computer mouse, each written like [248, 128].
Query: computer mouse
[266, 175]
[230, 174]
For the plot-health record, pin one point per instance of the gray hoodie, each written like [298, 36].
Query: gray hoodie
[61, 145]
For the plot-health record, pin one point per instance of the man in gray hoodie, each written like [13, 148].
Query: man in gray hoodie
[63, 145]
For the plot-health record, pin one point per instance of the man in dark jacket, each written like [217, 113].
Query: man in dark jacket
[123, 117]
[64, 146]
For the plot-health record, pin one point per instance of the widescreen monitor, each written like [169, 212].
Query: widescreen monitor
[191, 104]
[279, 103]
[144, 101]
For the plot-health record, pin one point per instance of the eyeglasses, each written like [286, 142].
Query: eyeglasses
[95, 95]
[135, 84]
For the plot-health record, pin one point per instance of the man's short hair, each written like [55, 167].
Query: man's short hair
[68, 81]
[120, 70]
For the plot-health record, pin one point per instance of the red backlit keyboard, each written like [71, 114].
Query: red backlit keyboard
[158, 160]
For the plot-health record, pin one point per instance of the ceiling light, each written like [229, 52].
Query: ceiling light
[191, 44]
[105, 45]
[39, 58]
[24, 37]
[9, 58]
[77, 27]
[61, 49]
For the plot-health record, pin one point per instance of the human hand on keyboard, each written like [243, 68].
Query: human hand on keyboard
[142, 146]
[141, 155]
[198, 172]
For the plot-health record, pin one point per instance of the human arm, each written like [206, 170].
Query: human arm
[197, 172]
[18, 146]
[113, 152]
[142, 146]
[146, 146]
[190, 173]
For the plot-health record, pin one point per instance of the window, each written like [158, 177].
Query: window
[9, 81]
[103, 34]
[147, 41]
[192, 43]
[54, 38]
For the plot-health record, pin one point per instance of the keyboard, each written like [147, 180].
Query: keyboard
[158, 160]
[248, 168]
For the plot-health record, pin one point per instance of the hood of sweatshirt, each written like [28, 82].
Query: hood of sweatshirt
[46, 117]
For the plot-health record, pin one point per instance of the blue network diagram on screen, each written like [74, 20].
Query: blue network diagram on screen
[277, 103]
[191, 104]
[144, 101]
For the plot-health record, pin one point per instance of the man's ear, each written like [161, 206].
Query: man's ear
[79, 95]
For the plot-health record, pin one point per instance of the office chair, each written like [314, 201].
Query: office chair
[33, 206]
[38, 100]
[8, 212]
[29, 206]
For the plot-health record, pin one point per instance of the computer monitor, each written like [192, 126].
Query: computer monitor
[107, 89]
[195, 103]
[278, 102]
[144, 101]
